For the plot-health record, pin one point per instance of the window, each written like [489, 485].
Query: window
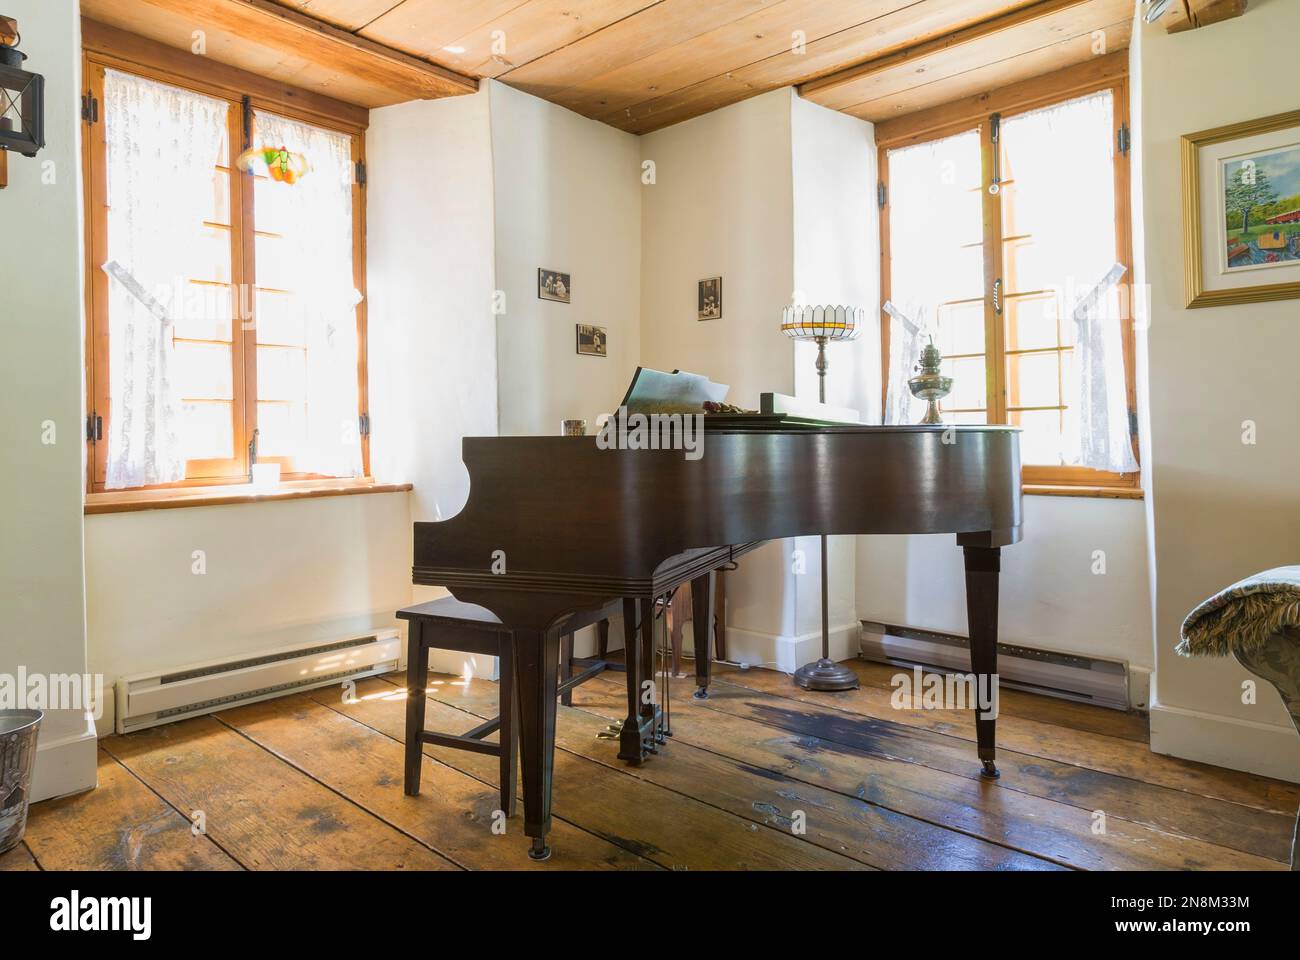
[1002, 235]
[226, 318]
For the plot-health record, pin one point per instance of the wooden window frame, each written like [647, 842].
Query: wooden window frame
[107, 48]
[1110, 73]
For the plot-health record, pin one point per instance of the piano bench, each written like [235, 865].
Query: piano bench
[450, 624]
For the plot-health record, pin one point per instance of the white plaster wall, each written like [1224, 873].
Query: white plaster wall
[430, 249]
[275, 574]
[1050, 598]
[721, 205]
[42, 594]
[567, 197]
[1221, 510]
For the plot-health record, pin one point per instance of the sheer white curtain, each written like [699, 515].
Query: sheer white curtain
[1062, 162]
[1102, 439]
[934, 217]
[163, 143]
[314, 215]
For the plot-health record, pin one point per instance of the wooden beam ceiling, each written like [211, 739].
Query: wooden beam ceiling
[283, 44]
[1190, 14]
[1036, 39]
[640, 65]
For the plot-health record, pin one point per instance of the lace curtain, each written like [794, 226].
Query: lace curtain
[1062, 160]
[314, 217]
[163, 143]
[1102, 440]
[933, 221]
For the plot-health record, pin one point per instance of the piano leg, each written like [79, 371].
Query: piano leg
[537, 669]
[630, 747]
[647, 702]
[702, 616]
[982, 567]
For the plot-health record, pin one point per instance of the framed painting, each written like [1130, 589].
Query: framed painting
[1241, 212]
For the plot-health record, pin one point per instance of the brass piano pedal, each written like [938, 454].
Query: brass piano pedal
[607, 735]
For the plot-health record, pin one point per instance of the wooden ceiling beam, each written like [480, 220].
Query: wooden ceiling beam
[894, 31]
[271, 25]
[1000, 37]
[1082, 78]
[1189, 14]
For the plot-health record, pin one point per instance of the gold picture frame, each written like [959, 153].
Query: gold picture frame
[1197, 292]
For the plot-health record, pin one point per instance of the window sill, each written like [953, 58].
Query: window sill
[1062, 490]
[132, 500]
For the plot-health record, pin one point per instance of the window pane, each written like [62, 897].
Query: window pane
[307, 346]
[961, 328]
[203, 370]
[936, 260]
[170, 242]
[968, 386]
[206, 431]
[1058, 219]
[1033, 380]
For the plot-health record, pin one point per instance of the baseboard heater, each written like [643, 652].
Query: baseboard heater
[1070, 676]
[147, 700]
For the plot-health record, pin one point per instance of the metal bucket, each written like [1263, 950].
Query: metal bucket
[18, 730]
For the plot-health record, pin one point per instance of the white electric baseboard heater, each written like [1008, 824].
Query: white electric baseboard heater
[147, 700]
[1071, 676]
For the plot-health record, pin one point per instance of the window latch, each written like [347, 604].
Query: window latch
[252, 454]
[997, 296]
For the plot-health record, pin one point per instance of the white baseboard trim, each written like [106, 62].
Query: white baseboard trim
[786, 652]
[67, 764]
[1264, 748]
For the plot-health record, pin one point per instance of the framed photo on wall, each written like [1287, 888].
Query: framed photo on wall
[710, 299]
[592, 340]
[1241, 212]
[553, 285]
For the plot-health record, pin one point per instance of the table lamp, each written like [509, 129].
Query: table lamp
[821, 325]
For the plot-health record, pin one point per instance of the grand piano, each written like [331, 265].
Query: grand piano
[557, 529]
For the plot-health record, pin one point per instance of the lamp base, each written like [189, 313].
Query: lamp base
[826, 674]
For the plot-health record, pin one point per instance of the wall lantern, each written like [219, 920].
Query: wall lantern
[22, 96]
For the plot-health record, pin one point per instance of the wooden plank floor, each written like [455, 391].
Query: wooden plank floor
[761, 775]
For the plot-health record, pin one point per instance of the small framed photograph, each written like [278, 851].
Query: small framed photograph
[553, 285]
[710, 301]
[1241, 189]
[592, 340]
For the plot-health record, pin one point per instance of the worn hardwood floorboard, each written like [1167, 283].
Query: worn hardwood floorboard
[1128, 725]
[259, 809]
[18, 858]
[1159, 810]
[313, 782]
[1057, 831]
[1082, 748]
[453, 813]
[844, 824]
[120, 825]
[672, 830]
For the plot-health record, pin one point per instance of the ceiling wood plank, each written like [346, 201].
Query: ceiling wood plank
[100, 38]
[348, 15]
[923, 20]
[1015, 33]
[423, 27]
[1022, 66]
[656, 28]
[1206, 12]
[271, 25]
[763, 34]
[533, 30]
[227, 48]
[1093, 73]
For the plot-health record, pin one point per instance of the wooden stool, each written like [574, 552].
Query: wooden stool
[449, 624]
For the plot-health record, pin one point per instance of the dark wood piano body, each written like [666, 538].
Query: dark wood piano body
[577, 527]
